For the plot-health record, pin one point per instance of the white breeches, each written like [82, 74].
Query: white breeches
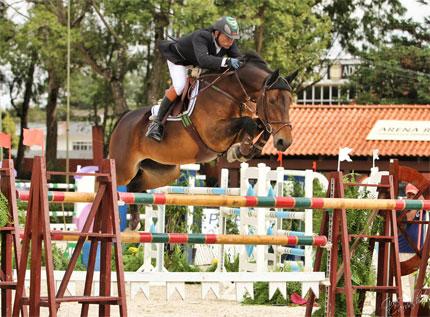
[179, 75]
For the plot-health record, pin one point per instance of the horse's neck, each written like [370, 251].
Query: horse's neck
[217, 120]
[252, 78]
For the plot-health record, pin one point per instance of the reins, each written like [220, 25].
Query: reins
[267, 124]
[228, 72]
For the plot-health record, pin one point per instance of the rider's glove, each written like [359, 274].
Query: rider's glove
[233, 63]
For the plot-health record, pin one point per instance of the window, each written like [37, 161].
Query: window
[325, 95]
[317, 95]
[335, 94]
[82, 146]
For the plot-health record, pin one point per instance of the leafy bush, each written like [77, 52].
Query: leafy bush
[132, 256]
[232, 266]
[176, 261]
[4, 211]
[60, 259]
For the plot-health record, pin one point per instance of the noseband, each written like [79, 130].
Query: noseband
[281, 84]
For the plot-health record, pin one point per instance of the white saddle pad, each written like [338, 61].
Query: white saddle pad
[189, 111]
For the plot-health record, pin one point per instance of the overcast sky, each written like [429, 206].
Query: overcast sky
[416, 10]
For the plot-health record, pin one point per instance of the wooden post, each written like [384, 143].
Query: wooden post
[104, 214]
[9, 239]
[36, 232]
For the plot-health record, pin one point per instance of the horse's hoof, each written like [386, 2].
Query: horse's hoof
[233, 154]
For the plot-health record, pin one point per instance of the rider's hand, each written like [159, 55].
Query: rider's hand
[233, 63]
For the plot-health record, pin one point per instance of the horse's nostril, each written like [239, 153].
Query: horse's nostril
[282, 144]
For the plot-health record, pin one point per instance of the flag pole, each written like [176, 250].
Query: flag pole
[68, 96]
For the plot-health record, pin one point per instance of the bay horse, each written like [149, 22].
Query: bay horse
[220, 117]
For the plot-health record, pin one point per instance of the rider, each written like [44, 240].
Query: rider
[205, 48]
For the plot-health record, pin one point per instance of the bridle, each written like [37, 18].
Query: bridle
[279, 83]
[263, 102]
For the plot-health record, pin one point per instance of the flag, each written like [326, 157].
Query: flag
[344, 154]
[375, 153]
[33, 137]
[279, 159]
[5, 140]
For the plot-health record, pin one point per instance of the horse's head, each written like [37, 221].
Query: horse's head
[273, 107]
[272, 94]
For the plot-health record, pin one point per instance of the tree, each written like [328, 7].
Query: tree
[9, 127]
[156, 78]
[48, 37]
[360, 24]
[397, 74]
[21, 57]
[288, 34]
[109, 31]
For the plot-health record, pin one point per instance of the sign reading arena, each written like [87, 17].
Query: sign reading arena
[400, 130]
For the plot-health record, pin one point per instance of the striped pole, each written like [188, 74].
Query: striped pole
[243, 201]
[196, 238]
[196, 190]
[26, 185]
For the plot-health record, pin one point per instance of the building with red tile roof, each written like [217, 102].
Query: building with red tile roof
[322, 130]
[398, 131]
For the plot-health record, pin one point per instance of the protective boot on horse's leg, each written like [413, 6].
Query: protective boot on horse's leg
[156, 128]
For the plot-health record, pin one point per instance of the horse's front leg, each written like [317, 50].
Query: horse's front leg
[247, 148]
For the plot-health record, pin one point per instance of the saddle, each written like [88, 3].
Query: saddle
[181, 103]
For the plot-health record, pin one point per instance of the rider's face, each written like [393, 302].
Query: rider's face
[223, 40]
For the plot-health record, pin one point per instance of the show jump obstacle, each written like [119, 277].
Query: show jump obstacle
[105, 231]
[195, 238]
[240, 201]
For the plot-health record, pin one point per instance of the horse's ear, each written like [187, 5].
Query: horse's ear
[290, 77]
[272, 78]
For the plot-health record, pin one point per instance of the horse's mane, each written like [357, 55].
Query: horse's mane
[256, 60]
[248, 58]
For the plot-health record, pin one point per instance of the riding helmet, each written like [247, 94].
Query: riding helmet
[228, 26]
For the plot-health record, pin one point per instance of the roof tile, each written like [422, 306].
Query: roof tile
[322, 130]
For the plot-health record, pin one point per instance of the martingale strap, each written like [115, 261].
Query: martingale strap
[192, 131]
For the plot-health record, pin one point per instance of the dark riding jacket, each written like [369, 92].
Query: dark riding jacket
[197, 49]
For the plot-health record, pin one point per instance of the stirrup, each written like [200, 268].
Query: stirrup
[155, 131]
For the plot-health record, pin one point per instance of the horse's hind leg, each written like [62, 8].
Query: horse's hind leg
[150, 175]
[135, 186]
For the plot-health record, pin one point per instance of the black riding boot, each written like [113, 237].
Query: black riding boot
[156, 129]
